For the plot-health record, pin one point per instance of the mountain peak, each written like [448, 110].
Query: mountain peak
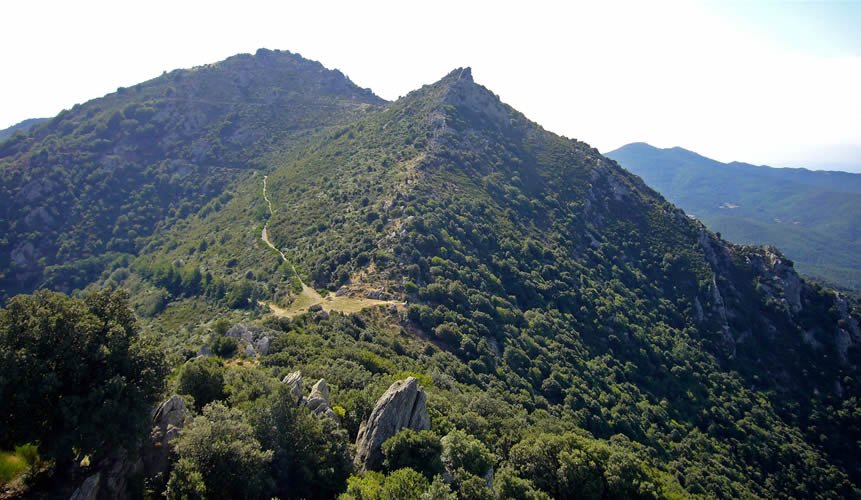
[458, 74]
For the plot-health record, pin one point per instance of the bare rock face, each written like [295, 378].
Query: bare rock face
[318, 400]
[402, 406]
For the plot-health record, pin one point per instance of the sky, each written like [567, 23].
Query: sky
[763, 82]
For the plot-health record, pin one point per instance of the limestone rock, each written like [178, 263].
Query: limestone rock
[318, 400]
[402, 406]
[294, 381]
[253, 339]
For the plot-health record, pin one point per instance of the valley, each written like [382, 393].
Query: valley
[811, 215]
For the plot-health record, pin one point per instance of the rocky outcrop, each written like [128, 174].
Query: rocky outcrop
[254, 338]
[319, 395]
[317, 401]
[294, 381]
[778, 278]
[402, 406]
[168, 419]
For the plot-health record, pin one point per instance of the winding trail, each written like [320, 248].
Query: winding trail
[307, 291]
[309, 296]
[265, 234]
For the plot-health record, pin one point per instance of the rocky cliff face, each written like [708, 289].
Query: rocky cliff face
[402, 406]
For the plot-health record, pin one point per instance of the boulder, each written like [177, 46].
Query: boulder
[241, 331]
[262, 345]
[402, 406]
[294, 381]
[253, 339]
[318, 400]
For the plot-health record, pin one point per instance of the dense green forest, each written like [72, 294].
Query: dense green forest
[574, 335]
[812, 216]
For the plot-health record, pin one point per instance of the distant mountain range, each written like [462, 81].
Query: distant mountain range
[21, 126]
[812, 216]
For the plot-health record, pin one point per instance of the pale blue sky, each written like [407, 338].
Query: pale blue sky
[763, 82]
[824, 28]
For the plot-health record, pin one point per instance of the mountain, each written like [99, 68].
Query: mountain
[21, 126]
[575, 333]
[93, 183]
[813, 216]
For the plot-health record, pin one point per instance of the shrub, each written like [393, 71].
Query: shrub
[202, 379]
[418, 450]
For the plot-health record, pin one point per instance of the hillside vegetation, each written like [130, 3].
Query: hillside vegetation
[576, 335]
[813, 216]
[90, 186]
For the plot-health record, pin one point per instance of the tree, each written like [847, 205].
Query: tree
[202, 379]
[404, 484]
[462, 451]
[473, 487]
[311, 457]
[418, 450]
[76, 377]
[508, 485]
[219, 456]
[224, 346]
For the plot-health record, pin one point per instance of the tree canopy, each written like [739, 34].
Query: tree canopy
[76, 377]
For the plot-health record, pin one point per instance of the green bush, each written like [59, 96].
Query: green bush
[203, 379]
[417, 450]
[224, 346]
[462, 451]
[220, 457]
[76, 379]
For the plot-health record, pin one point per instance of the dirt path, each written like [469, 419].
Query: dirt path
[330, 303]
[309, 296]
[265, 234]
